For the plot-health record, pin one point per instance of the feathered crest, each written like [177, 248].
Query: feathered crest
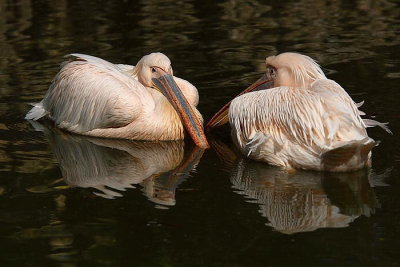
[304, 69]
[153, 59]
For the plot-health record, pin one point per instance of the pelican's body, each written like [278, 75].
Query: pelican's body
[94, 97]
[305, 121]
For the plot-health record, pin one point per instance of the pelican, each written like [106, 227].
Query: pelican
[93, 97]
[302, 120]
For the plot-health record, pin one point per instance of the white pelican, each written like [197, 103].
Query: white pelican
[302, 121]
[91, 96]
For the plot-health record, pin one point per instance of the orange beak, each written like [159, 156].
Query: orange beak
[166, 84]
[221, 117]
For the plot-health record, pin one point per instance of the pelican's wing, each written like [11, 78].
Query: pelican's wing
[337, 100]
[90, 93]
[306, 117]
[341, 115]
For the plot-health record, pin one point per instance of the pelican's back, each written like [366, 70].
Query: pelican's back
[90, 93]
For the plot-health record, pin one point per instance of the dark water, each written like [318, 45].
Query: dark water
[67, 200]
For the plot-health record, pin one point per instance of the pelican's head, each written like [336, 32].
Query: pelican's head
[292, 70]
[152, 66]
[155, 71]
[286, 69]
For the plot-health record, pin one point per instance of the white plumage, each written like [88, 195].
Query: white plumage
[94, 97]
[305, 121]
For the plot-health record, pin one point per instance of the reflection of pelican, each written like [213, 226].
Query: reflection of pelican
[93, 97]
[110, 165]
[303, 201]
[305, 121]
[300, 202]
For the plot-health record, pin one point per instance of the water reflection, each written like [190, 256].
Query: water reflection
[302, 201]
[112, 166]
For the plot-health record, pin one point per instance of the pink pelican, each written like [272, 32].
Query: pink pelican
[302, 121]
[93, 97]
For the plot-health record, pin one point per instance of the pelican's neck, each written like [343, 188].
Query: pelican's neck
[168, 119]
[160, 121]
[292, 82]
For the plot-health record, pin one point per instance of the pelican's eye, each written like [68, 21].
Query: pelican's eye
[153, 70]
[271, 71]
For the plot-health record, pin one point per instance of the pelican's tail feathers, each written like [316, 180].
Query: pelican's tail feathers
[351, 156]
[373, 123]
[36, 112]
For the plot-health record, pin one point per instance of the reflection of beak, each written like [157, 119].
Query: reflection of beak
[164, 186]
[224, 152]
[221, 117]
[166, 84]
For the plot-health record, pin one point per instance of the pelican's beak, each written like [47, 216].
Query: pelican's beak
[221, 117]
[166, 84]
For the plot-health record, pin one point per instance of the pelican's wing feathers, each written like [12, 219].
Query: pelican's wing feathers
[318, 116]
[90, 93]
[338, 99]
